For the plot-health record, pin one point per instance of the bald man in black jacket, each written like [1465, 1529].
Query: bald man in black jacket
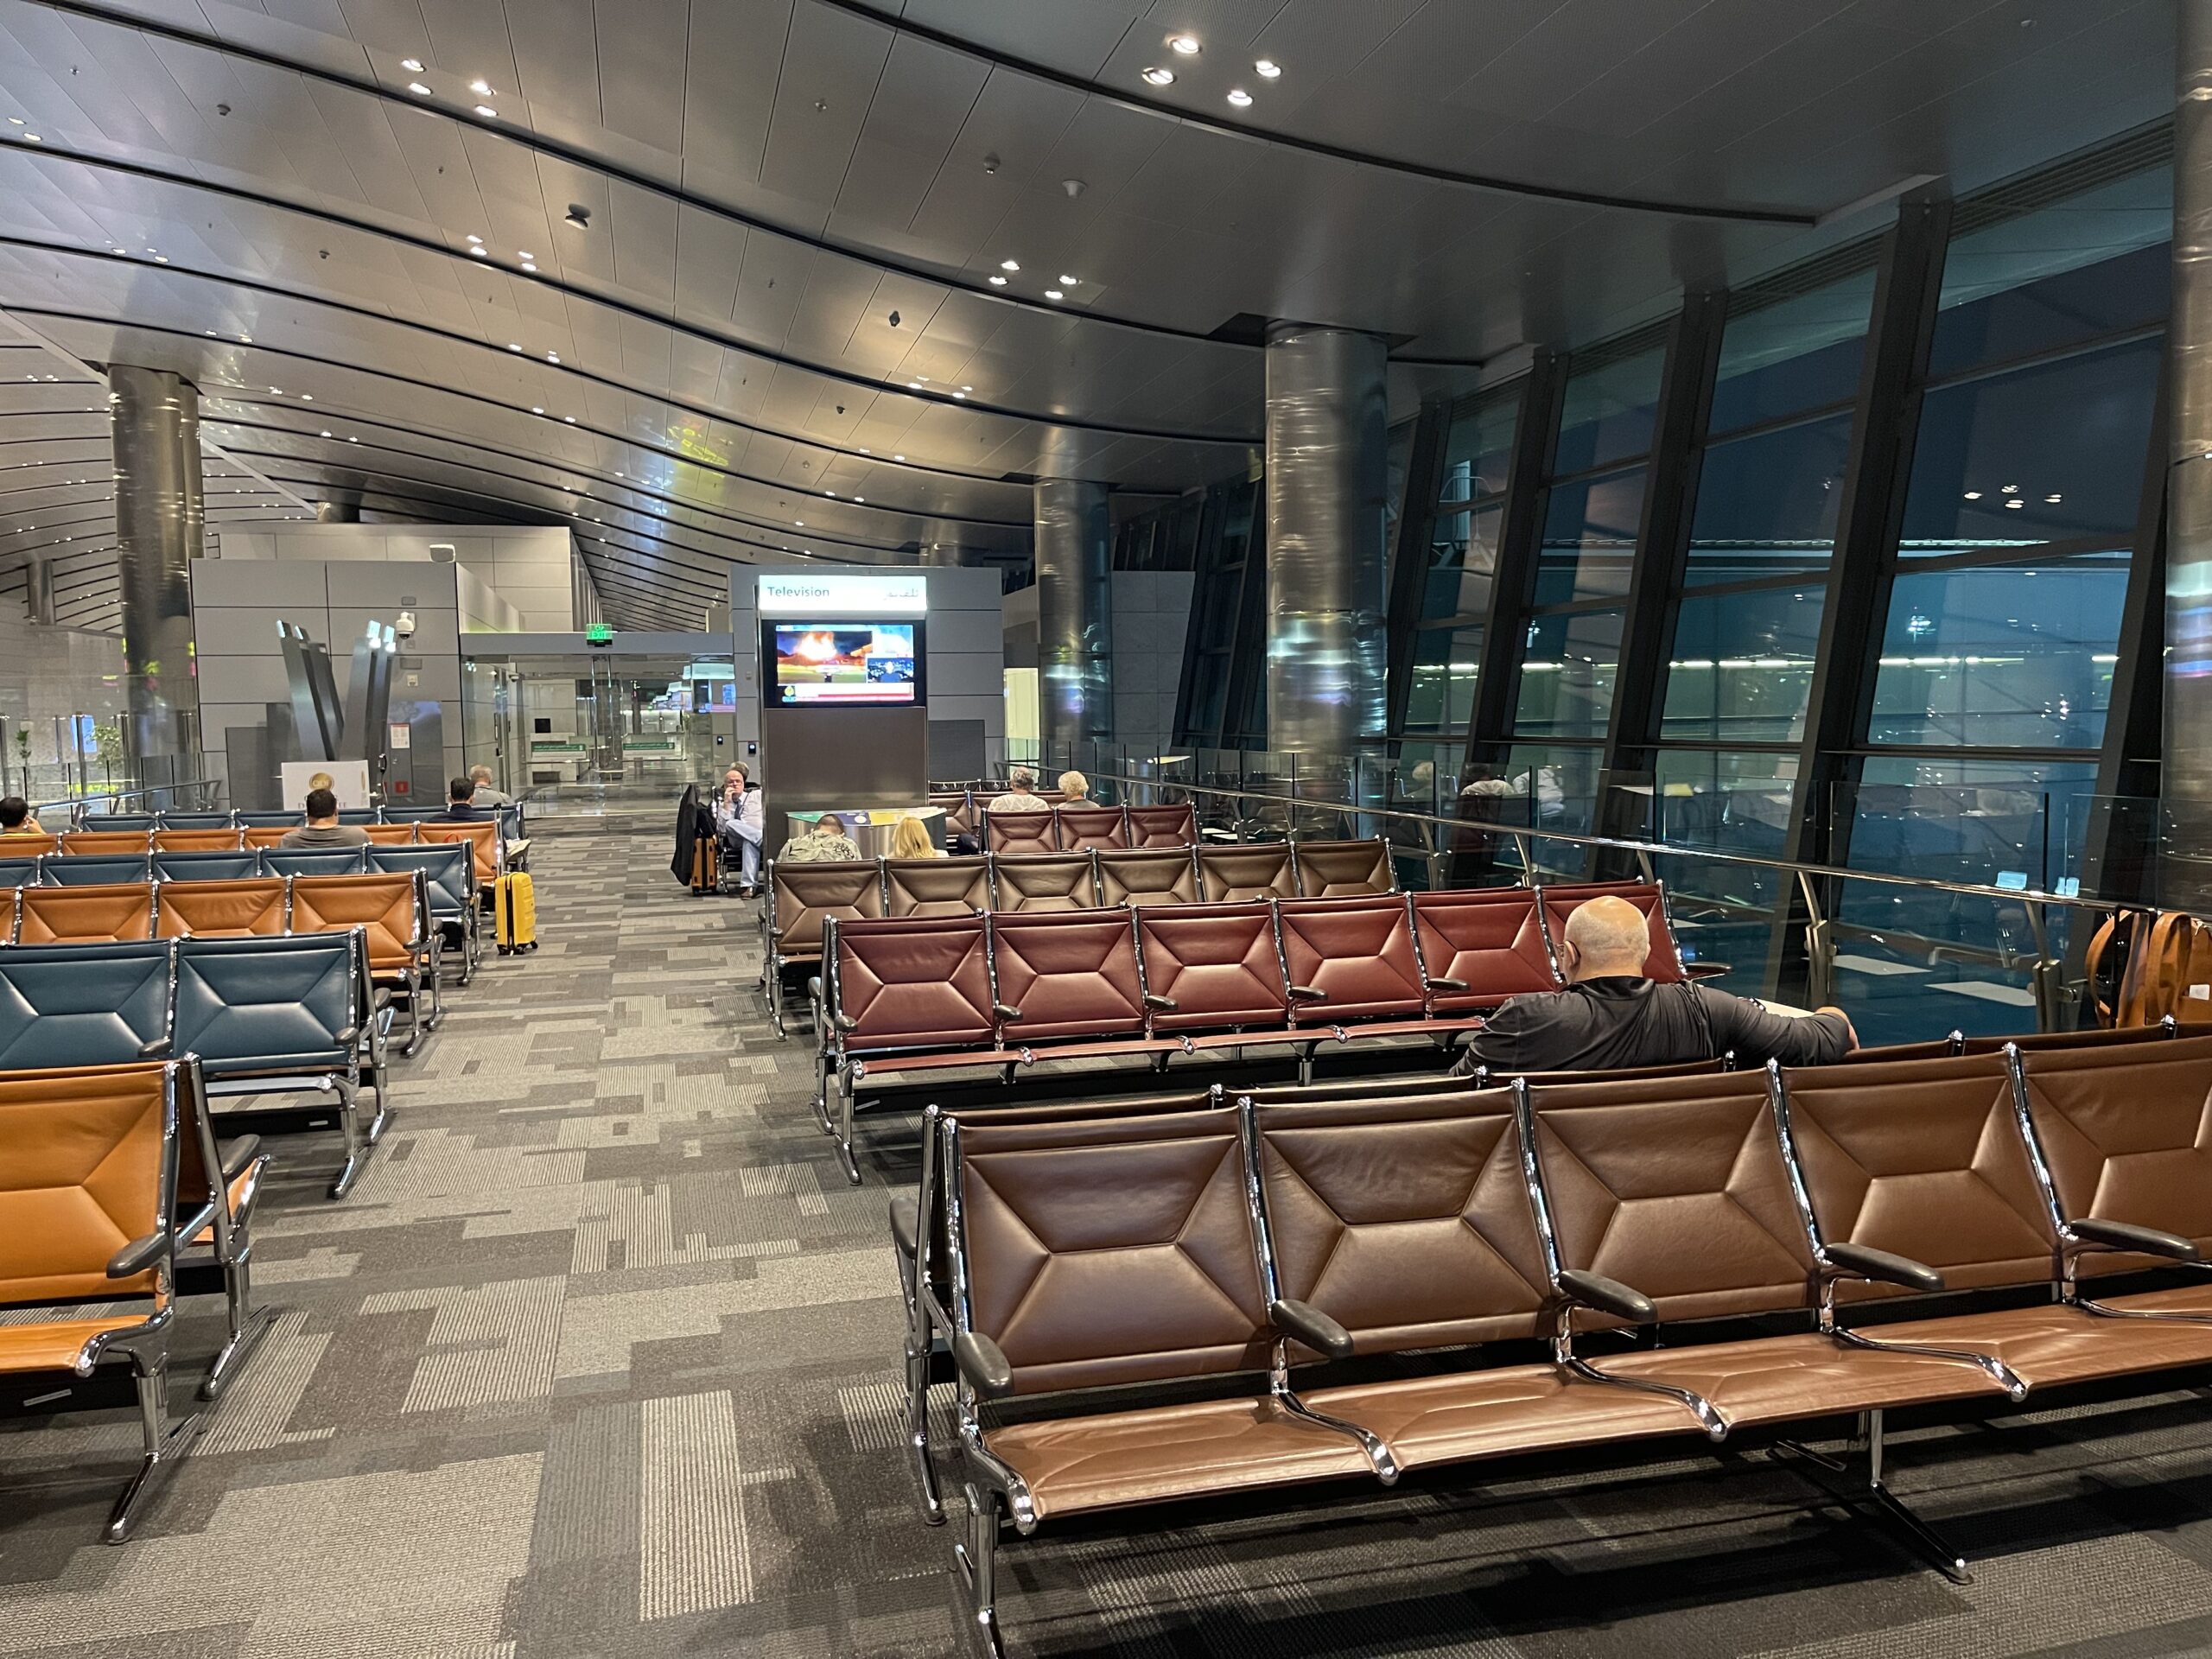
[1612, 1018]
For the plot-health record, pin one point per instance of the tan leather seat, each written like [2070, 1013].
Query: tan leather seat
[198, 841]
[482, 835]
[122, 910]
[393, 835]
[206, 910]
[79, 843]
[386, 906]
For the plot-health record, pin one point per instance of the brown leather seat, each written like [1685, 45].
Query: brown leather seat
[2121, 1037]
[1335, 869]
[1212, 965]
[898, 985]
[122, 910]
[268, 834]
[1035, 831]
[959, 811]
[483, 835]
[28, 846]
[1481, 946]
[1262, 870]
[393, 834]
[386, 907]
[1148, 875]
[1665, 962]
[219, 909]
[1350, 959]
[1027, 881]
[1082, 827]
[803, 896]
[1163, 826]
[77, 843]
[936, 887]
[198, 841]
[1067, 975]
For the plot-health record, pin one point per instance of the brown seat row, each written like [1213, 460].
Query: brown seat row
[1065, 829]
[802, 896]
[924, 994]
[1139, 1250]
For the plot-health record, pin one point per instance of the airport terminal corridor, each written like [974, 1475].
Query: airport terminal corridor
[602, 1356]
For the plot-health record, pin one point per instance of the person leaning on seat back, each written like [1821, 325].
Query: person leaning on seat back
[484, 794]
[911, 840]
[1020, 795]
[1611, 1016]
[15, 817]
[826, 843]
[323, 829]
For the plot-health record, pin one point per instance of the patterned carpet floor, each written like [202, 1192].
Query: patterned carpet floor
[600, 1359]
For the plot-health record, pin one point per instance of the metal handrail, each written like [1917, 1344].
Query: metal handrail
[76, 803]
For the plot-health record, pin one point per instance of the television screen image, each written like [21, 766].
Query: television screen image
[829, 663]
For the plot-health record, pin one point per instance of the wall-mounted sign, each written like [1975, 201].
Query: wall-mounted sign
[599, 633]
[902, 593]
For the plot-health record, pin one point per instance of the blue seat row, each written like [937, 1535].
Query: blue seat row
[509, 819]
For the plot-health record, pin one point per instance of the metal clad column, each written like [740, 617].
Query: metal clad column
[159, 521]
[1327, 466]
[2186, 878]
[1075, 612]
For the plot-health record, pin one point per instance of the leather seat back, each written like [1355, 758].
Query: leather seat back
[1111, 1251]
[1491, 937]
[219, 909]
[30, 846]
[1163, 826]
[959, 811]
[2120, 1037]
[2126, 1132]
[1260, 871]
[1217, 961]
[1677, 1187]
[1021, 832]
[97, 870]
[100, 914]
[87, 1156]
[391, 835]
[806, 895]
[197, 821]
[82, 1004]
[315, 861]
[267, 835]
[1359, 951]
[255, 819]
[18, 873]
[1405, 1219]
[107, 821]
[214, 840]
[913, 983]
[1148, 875]
[206, 867]
[449, 870]
[1071, 974]
[1664, 964]
[1925, 1159]
[385, 906]
[1331, 869]
[937, 887]
[1085, 827]
[258, 1004]
[1327, 1090]
[483, 837]
[1044, 880]
[79, 842]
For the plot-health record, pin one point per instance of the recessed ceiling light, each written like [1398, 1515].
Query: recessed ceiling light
[487, 112]
[276, 391]
[1069, 281]
[350, 438]
[2016, 503]
[570, 419]
[552, 357]
[536, 409]
[14, 120]
[1009, 265]
[418, 89]
[861, 500]
[2054, 498]
[832, 494]
[324, 434]
[913, 385]
[532, 269]
[473, 237]
[210, 332]
[863, 451]
[482, 88]
[32, 138]
[479, 253]
[245, 339]
[307, 398]
[966, 388]
[1185, 44]
[525, 255]
[1239, 97]
[800, 523]
[998, 281]
[1054, 293]
[897, 457]
[514, 345]
[1973, 495]
[160, 258]
[959, 394]
[1160, 77]
[1267, 69]
[412, 66]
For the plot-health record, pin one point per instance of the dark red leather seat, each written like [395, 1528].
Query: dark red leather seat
[1163, 826]
[1207, 966]
[1261, 870]
[1342, 869]
[1021, 832]
[911, 983]
[1066, 975]
[1665, 962]
[1350, 959]
[1082, 827]
[1482, 946]
[1148, 875]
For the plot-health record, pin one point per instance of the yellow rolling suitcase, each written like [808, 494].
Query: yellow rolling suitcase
[514, 913]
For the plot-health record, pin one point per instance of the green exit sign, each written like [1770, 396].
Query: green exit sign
[599, 633]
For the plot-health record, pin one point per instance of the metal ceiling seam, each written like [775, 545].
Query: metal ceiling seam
[568, 291]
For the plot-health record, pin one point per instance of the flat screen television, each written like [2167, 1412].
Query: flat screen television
[842, 664]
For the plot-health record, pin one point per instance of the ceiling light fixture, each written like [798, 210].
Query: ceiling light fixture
[1187, 45]
[324, 434]
[482, 88]
[536, 409]
[1009, 265]
[959, 394]
[1973, 495]
[412, 66]
[1069, 281]
[418, 89]
[532, 269]
[1239, 97]
[525, 255]
[479, 253]
[473, 237]
[998, 281]
[897, 457]
[570, 419]
[487, 112]
[32, 138]
[350, 438]
[514, 345]
[160, 258]
[1054, 293]
[307, 398]
[1160, 77]
[2054, 498]
[552, 357]
[14, 120]
[1267, 69]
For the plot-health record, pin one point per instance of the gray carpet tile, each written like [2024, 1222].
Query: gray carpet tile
[600, 1357]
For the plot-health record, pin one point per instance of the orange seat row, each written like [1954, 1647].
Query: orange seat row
[484, 837]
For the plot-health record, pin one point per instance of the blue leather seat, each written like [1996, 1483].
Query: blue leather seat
[357, 816]
[283, 1014]
[195, 820]
[313, 860]
[18, 873]
[206, 867]
[118, 821]
[95, 869]
[269, 820]
[413, 814]
[65, 1005]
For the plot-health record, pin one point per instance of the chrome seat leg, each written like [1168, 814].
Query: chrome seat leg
[249, 1325]
[1865, 1492]
[165, 1444]
[917, 1422]
[977, 1558]
[349, 1121]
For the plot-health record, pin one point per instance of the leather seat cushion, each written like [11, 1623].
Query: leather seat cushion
[1468, 1415]
[2052, 1345]
[52, 1345]
[1123, 1458]
[1781, 1379]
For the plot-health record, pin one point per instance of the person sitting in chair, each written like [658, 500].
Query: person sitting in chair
[323, 831]
[740, 825]
[826, 842]
[15, 817]
[460, 802]
[1611, 1017]
[1020, 795]
[911, 840]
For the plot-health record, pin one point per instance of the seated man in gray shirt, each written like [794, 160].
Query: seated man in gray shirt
[323, 829]
[1611, 1017]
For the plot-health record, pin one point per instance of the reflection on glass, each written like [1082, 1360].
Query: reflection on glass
[1767, 504]
[1738, 802]
[2050, 453]
[1462, 562]
[1741, 666]
[1783, 355]
[2016, 657]
[1606, 411]
[1551, 786]
[1589, 543]
[1479, 446]
[1442, 695]
[1566, 675]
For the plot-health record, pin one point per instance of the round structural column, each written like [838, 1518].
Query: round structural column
[160, 521]
[1326, 465]
[2185, 875]
[1075, 610]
